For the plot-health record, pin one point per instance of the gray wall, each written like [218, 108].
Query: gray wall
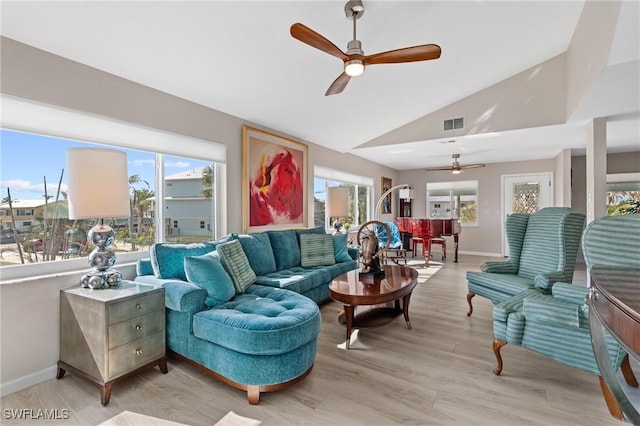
[29, 312]
[485, 239]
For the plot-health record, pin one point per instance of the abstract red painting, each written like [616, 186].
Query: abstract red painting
[274, 181]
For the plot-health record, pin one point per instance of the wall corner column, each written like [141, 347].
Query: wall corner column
[596, 168]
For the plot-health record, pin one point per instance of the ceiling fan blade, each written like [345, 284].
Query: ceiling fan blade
[338, 85]
[439, 169]
[472, 166]
[313, 39]
[424, 52]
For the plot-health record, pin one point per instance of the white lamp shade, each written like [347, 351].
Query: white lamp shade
[338, 201]
[407, 194]
[98, 183]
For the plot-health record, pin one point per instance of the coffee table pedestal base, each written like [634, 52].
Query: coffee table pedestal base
[373, 317]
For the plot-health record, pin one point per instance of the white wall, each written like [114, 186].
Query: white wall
[484, 239]
[29, 314]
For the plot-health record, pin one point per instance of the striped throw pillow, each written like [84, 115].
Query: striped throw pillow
[237, 265]
[316, 250]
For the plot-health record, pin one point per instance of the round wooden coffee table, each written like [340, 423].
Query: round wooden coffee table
[353, 289]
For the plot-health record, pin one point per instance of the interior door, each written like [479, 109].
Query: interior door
[525, 193]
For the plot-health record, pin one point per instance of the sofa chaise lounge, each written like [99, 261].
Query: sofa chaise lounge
[245, 308]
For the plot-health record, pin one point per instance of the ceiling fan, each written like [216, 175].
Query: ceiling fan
[354, 59]
[455, 168]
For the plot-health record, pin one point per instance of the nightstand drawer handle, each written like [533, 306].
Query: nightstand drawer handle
[138, 327]
[138, 352]
[138, 306]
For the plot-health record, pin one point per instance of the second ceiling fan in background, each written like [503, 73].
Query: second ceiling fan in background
[455, 168]
[354, 58]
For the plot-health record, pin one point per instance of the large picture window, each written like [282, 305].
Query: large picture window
[454, 200]
[39, 183]
[168, 174]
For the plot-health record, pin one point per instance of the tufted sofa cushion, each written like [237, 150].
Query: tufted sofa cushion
[261, 321]
[301, 279]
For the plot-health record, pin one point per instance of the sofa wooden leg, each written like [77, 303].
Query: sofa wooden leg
[612, 404]
[469, 296]
[253, 394]
[497, 345]
[627, 372]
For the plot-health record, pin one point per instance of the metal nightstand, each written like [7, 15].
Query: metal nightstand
[111, 334]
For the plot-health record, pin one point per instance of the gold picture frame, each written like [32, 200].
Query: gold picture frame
[387, 203]
[274, 182]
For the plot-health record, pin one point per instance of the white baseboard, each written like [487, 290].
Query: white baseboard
[28, 380]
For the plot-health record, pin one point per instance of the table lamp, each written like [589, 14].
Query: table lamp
[98, 185]
[338, 204]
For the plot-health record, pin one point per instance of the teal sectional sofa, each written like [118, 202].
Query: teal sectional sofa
[245, 308]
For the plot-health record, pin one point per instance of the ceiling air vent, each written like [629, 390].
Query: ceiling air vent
[454, 123]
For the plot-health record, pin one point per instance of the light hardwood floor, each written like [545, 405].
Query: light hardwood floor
[438, 373]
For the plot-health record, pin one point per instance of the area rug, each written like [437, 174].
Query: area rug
[129, 418]
[232, 419]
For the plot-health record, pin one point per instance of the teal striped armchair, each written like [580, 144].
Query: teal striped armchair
[542, 250]
[557, 324]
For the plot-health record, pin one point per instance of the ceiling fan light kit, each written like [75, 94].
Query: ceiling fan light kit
[354, 60]
[354, 67]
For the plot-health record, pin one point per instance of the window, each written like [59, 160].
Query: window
[150, 157]
[454, 200]
[359, 203]
[188, 199]
[53, 236]
[623, 194]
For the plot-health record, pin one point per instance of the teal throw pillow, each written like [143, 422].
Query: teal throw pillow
[316, 250]
[340, 248]
[167, 259]
[207, 272]
[237, 265]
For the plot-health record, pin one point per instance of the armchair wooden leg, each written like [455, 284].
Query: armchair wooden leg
[612, 404]
[469, 296]
[497, 345]
[627, 372]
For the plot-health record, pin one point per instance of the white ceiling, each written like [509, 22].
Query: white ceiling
[238, 57]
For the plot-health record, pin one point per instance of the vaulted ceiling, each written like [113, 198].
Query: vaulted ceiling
[238, 57]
